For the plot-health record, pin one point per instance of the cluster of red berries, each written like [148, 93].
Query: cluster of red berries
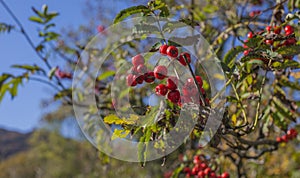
[288, 34]
[140, 73]
[201, 170]
[62, 75]
[291, 134]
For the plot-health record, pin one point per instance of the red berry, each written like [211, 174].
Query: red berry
[203, 166]
[100, 28]
[195, 170]
[161, 89]
[225, 175]
[149, 77]
[284, 138]
[172, 83]
[137, 60]
[182, 60]
[250, 35]
[199, 81]
[138, 78]
[186, 170]
[207, 171]
[288, 30]
[174, 96]
[269, 42]
[163, 49]
[278, 139]
[252, 14]
[277, 30]
[244, 45]
[172, 51]
[201, 174]
[268, 28]
[290, 41]
[246, 52]
[160, 72]
[212, 175]
[141, 69]
[130, 80]
[292, 133]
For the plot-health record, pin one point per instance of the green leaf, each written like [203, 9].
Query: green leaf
[4, 77]
[289, 50]
[143, 145]
[145, 29]
[15, 84]
[130, 11]
[285, 82]
[5, 28]
[185, 41]
[63, 93]
[283, 109]
[105, 75]
[254, 42]
[52, 72]
[3, 89]
[36, 19]
[30, 68]
[119, 133]
[113, 119]
[230, 56]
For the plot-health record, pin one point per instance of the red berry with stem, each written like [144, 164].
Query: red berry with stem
[184, 56]
[288, 30]
[161, 89]
[174, 96]
[285, 138]
[141, 68]
[172, 51]
[250, 35]
[172, 83]
[137, 60]
[225, 175]
[186, 170]
[278, 139]
[246, 52]
[149, 77]
[163, 49]
[277, 30]
[160, 72]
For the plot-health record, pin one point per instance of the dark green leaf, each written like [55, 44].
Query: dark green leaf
[5, 28]
[230, 56]
[289, 50]
[106, 75]
[130, 11]
[254, 42]
[29, 68]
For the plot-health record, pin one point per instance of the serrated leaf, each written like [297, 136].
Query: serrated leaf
[119, 133]
[36, 19]
[231, 55]
[130, 11]
[113, 119]
[106, 74]
[289, 50]
[144, 29]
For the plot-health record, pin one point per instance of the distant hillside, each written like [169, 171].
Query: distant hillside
[12, 142]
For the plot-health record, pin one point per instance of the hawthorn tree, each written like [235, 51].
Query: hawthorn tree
[256, 43]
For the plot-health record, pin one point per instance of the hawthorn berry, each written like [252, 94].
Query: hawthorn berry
[199, 80]
[244, 45]
[172, 51]
[130, 80]
[203, 166]
[212, 175]
[277, 30]
[163, 49]
[207, 171]
[161, 89]
[246, 52]
[172, 83]
[201, 174]
[137, 60]
[174, 96]
[141, 68]
[285, 138]
[269, 42]
[225, 175]
[278, 139]
[186, 170]
[290, 41]
[160, 72]
[138, 78]
[268, 28]
[149, 77]
[288, 30]
[250, 35]
[182, 60]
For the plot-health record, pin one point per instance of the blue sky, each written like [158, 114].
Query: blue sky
[24, 112]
